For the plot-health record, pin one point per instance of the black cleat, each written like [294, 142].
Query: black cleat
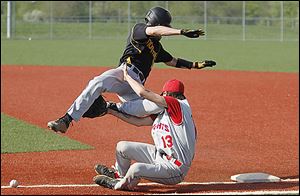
[103, 170]
[61, 124]
[105, 181]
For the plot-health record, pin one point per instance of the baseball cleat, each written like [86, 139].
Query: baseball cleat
[105, 181]
[103, 170]
[61, 124]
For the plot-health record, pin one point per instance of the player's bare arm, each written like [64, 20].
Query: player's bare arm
[167, 31]
[137, 121]
[162, 31]
[140, 90]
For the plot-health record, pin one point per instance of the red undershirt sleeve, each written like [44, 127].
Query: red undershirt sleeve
[174, 110]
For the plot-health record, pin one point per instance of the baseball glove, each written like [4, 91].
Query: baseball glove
[97, 109]
[192, 33]
[206, 63]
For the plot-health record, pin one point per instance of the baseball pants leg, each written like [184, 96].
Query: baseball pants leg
[109, 81]
[148, 166]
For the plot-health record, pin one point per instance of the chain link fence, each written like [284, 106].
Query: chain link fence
[235, 20]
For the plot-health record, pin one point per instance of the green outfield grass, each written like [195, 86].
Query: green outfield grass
[230, 55]
[19, 136]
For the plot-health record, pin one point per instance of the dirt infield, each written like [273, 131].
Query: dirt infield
[246, 121]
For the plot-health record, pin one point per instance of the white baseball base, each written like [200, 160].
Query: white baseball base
[254, 177]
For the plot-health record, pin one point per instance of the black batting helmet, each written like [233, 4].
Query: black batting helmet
[158, 16]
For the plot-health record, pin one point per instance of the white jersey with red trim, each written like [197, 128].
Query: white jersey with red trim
[174, 131]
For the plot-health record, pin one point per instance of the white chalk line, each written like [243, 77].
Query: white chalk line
[140, 184]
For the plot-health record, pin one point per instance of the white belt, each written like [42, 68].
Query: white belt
[137, 72]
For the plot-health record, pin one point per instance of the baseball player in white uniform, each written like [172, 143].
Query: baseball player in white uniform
[174, 135]
[142, 50]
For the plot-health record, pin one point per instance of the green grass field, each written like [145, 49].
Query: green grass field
[19, 136]
[229, 55]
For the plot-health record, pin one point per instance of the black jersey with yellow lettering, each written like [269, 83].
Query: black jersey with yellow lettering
[142, 50]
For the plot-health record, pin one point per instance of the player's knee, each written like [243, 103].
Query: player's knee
[136, 168]
[96, 82]
[122, 146]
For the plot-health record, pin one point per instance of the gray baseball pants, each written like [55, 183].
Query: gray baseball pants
[148, 165]
[109, 81]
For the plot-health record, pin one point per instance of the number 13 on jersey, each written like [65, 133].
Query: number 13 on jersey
[167, 141]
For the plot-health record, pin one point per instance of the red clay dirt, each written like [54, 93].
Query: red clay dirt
[246, 121]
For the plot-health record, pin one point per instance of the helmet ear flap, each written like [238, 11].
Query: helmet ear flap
[148, 17]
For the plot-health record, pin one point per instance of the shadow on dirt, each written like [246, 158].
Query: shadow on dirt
[196, 188]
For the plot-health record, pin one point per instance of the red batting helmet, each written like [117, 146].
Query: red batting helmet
[174, 86]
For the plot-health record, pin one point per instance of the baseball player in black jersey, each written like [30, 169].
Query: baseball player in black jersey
[143, 49]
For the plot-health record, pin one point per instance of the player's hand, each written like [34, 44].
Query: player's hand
[206, 63]
[192, 33]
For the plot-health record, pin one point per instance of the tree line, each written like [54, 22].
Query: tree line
[139, 8]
